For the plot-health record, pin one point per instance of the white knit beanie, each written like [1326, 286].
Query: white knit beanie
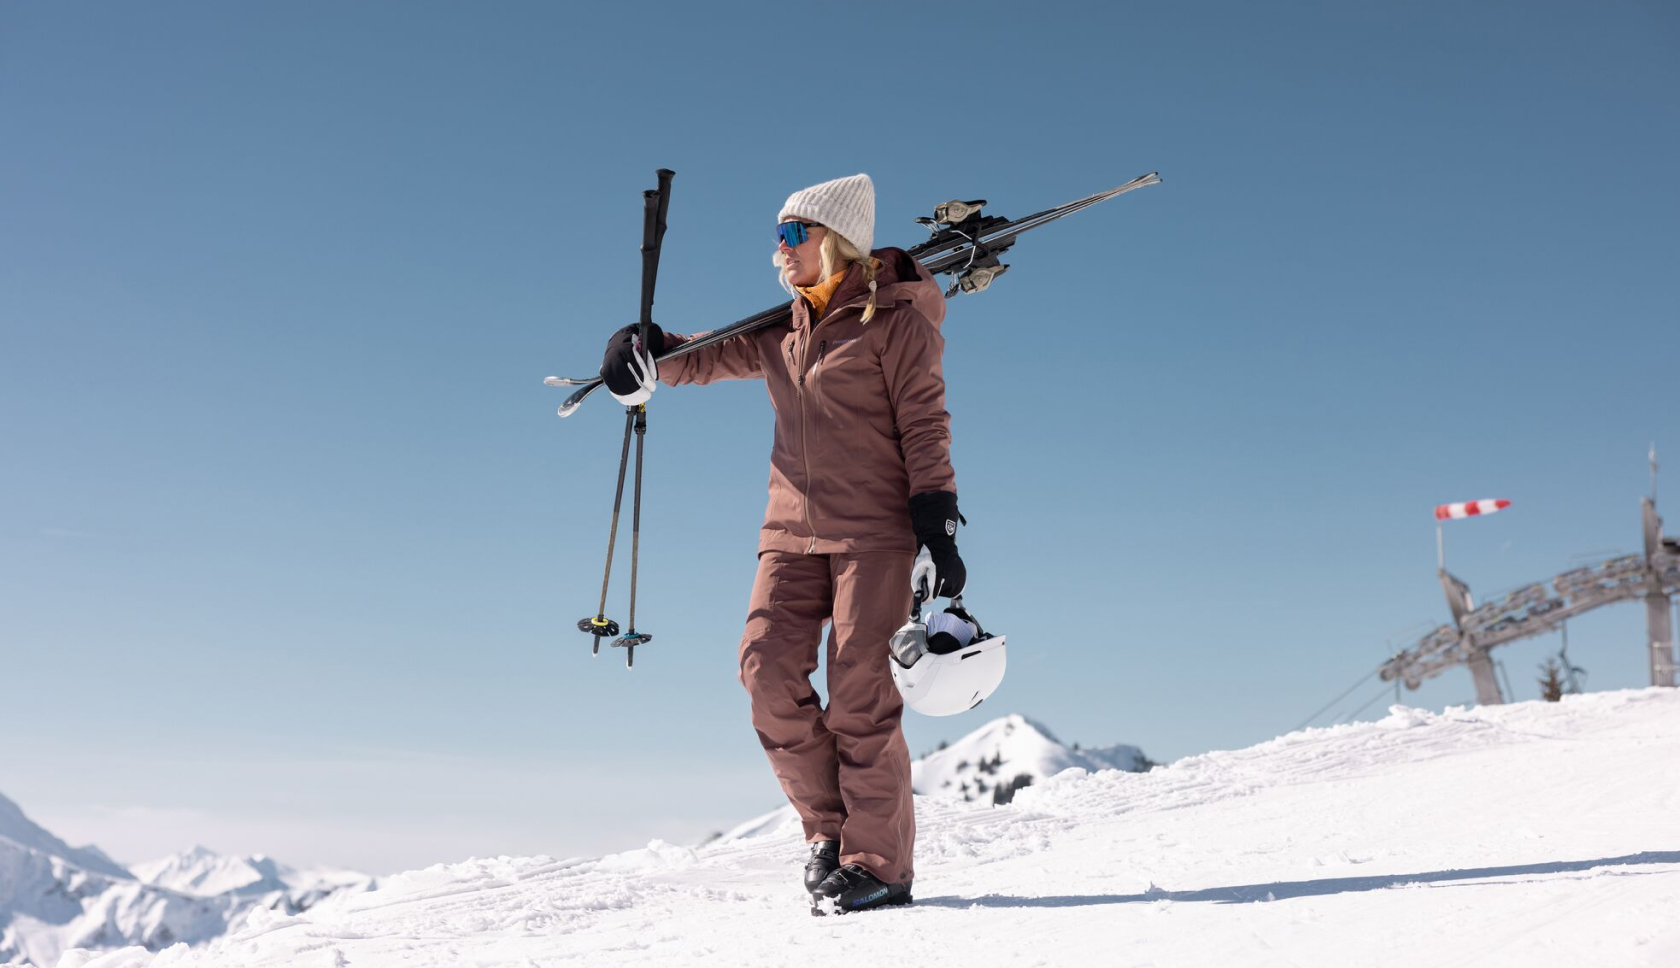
[846, 205]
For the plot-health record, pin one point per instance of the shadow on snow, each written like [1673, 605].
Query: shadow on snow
[1281, 890]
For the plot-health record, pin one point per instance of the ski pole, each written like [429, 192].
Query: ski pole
[631, 637]
[654, 205]
[600, 625]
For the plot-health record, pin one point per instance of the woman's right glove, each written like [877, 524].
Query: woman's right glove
[938, 569]
[630, 368]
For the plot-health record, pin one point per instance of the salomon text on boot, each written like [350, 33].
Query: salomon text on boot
[851, 888]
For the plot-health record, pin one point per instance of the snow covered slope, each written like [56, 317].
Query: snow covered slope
[1526, 835]
[989, 763]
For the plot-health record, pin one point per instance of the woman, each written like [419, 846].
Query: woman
[860, 478]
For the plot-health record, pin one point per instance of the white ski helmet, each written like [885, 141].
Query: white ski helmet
[947, 665]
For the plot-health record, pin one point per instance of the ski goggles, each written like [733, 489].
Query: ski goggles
[794, 234]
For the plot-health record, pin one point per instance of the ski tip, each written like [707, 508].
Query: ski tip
[566, 409]
[552, 381]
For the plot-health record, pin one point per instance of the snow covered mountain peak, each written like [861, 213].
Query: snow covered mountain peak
[1008, 724]
[1007, 754]
[986, 765]
[54, 897]
[204, 873]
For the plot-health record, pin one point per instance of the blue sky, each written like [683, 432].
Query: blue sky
[293, 543]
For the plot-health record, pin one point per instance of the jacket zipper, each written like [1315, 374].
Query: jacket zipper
[804, 441]
[804, 450]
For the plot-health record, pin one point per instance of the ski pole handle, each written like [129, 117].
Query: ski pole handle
[654, 205]
[664, 175]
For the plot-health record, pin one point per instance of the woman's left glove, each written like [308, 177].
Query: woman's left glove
[630, 368]
[939, 569]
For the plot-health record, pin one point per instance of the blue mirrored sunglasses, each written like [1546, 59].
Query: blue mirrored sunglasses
[794, 233]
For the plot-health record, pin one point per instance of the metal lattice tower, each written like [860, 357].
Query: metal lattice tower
[1533, 610]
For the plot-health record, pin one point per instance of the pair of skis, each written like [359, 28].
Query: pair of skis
[964, 242]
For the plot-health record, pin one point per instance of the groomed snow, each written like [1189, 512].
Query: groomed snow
[1527, 835]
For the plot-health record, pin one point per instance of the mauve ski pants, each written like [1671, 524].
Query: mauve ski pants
[845, 769]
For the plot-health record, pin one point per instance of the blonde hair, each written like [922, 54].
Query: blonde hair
[835, 254]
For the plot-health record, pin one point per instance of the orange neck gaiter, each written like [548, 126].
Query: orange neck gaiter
[819, 294]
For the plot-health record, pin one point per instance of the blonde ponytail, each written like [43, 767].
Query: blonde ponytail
[837, 254]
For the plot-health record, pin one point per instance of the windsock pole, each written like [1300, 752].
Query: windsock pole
[1462, 509]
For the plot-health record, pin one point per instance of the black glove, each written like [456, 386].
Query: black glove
[628, 368]
[934, 517]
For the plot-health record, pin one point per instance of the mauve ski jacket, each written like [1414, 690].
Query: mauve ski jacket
[860, 410]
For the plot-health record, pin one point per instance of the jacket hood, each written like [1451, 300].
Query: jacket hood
[901, 279]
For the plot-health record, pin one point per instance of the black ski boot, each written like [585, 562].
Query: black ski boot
[851, 888]
[825, 857]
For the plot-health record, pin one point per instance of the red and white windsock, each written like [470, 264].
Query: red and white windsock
[1469, 509]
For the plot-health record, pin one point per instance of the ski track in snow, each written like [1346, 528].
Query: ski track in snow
[1531, 834]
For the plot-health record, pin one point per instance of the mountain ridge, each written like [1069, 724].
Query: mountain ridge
[55, 898]
[26, 834]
